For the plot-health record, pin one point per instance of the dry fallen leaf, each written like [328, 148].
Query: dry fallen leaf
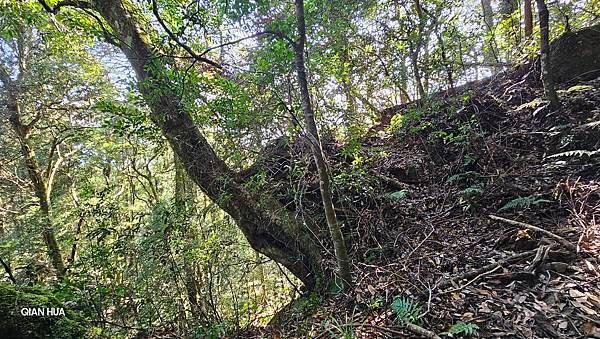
[590, 329]
[584, 308]
[483, 308]
[576, 293]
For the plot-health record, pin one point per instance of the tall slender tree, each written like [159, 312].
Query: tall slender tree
[333, 223]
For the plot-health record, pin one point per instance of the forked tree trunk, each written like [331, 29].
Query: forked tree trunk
[547, 79]
[266, 224]
[339, 244]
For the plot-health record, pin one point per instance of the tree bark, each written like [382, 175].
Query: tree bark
[415, 50]
[528, 18]
[547, 79]
[337, 236]
[268, 226]
[507, 8]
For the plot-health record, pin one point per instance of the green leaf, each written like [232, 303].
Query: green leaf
[398, 195]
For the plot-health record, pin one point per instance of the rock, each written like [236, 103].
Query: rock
[559, 267]
[576, 55]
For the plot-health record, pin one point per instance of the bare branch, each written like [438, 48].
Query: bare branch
[173, 37]
[56, 8]
[277, 34]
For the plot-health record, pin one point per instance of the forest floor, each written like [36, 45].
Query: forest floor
[418, 200]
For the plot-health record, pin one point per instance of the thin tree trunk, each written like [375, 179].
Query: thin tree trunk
[184, 200]
[547, 79]
[339, 244]
[507, 8]
[528, 18]
[416, 51]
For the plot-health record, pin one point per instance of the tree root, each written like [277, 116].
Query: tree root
[564, 242]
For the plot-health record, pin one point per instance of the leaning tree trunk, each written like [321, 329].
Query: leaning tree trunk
[268, 226]
[339, 245]
[547, 79]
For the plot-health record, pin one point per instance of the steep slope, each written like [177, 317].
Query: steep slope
[416, 197]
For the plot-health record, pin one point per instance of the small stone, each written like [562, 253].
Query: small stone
[559, 267]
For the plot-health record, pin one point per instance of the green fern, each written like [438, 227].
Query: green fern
[407, 311]
[472, 191]
[523, 202]
[463, 176]
[467, 329]
[575, 153]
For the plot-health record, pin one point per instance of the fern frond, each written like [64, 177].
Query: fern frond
[406, 310]
[463, 176]
[460, 327]
[472, 191]
[523, 202]
[398, 195]
[578, 153]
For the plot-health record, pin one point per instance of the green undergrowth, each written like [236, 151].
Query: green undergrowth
[15, 325]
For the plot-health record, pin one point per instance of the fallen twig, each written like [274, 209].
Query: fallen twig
[472, 280]
[485, 269]
[422, 331]
[411, 327]
[567, 244]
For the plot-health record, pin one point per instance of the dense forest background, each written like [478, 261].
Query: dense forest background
[204, 168]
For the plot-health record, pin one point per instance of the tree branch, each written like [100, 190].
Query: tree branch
[564, 242]
[173, 37]
[277, 34]
[56, 8]
[8, 271]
